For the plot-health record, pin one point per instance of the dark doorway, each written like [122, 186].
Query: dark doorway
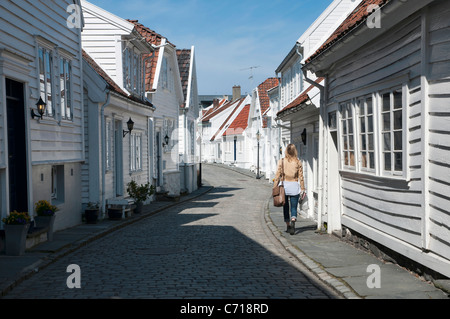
[17, 151]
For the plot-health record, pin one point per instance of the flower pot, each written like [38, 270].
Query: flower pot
[15, 239]
[44, 222]
[138, 208]
[91, 216]
[115, 213]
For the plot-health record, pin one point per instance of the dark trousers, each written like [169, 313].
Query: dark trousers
[292, 203]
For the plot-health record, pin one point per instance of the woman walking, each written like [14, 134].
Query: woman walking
[293, 174]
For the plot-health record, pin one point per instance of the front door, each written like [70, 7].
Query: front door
[17, 153]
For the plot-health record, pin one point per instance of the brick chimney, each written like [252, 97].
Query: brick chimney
[215, 103]
[236, 92]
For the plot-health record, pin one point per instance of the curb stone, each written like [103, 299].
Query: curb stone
[335, 283]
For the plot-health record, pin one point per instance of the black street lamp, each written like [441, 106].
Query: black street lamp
[258, 137]
[40, 108]
[130, 126]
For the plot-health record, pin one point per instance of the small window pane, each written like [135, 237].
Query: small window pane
[398, 142]
[370, 124]
[363, 125]
[372, 160]
[387, 161]
[397, 99]
[398, 161]
[386, 102]
[398, 120]
[387, 141]
[386, 121]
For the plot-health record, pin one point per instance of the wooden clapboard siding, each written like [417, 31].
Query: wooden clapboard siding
[387, 205]
[20, 22]
[439, 128]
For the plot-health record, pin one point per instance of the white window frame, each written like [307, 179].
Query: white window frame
[65, 69]
[135, 151]
[108, 141]
[345, 138]
[43, 89]
[376, 91]
[365, 115]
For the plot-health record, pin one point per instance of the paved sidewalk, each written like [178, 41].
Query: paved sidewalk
[342, 266]
[15, 269]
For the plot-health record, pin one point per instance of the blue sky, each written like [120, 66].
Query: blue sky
[229, 36]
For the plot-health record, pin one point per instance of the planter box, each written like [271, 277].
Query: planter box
[115, 213]
[46, 222]
[91, 216]
[15, 239]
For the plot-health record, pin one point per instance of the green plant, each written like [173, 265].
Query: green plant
[140, 193]
[16, 218]
[44, 208]
[92, 205]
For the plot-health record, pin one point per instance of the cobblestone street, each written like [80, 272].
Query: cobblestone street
[216, 246]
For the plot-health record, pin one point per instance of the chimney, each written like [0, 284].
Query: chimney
[215, 103]
[236, 92]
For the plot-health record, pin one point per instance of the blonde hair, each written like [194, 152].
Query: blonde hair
[291, 153]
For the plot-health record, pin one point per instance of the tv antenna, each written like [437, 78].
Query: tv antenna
[251, 74]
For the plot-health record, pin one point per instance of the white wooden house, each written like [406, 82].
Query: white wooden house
[299, 117]
[260, 121]
[386, 133]
[164, 90]
[114, 87]
[189, 113]
[233, 135]
[40, 57]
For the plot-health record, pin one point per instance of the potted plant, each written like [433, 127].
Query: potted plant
[16, 228]
[139, 193]
[46, 214]
[91, 213]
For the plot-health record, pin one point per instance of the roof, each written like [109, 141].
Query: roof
[240, 123]
[111, 85]
[263, 96]
[215, 110]
[156, 39]
[355, 19]
[236, 105]
[184, 64]
[302, 98]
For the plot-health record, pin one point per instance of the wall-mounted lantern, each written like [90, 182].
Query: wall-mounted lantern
[166, 140]
[130, 126]
[40, 108]
[304, 136]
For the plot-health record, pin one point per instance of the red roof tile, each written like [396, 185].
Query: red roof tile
[356, 18]
[240, 123]
[154, 38]
[110, 82]
[184, 63]
[302, 98]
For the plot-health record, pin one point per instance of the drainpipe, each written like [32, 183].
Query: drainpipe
[103, 133]
[321, 141]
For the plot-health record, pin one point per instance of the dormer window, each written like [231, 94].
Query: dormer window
[132, 71]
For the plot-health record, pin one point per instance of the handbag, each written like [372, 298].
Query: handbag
[278, 190]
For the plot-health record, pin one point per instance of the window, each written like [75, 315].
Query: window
[46, 79]
[392, 131]
[108, 137]
[366, 134]
[127, 72]
[65, 70]
[132, 71]
[57, 180]
[378, 123]
[164, 74]
[135, 152]
[348, 146]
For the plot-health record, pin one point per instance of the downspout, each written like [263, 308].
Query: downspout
[103, 133]
[321, 140]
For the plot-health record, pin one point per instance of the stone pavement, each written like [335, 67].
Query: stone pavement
[344, 267]
[341, 266]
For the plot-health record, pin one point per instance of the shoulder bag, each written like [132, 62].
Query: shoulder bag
[278, 189]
